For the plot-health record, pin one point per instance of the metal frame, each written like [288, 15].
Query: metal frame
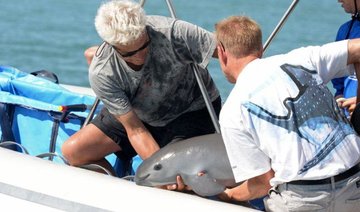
[200, 81]
[280, 24]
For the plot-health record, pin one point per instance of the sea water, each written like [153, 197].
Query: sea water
[53, 34]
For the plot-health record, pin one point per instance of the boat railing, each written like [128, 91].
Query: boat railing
[51, 155]
[96, 167]
[8, 144]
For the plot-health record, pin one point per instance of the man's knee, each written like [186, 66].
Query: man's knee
[69, 151]
[88, 145]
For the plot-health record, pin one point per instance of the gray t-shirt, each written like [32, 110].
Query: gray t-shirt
[166, 86]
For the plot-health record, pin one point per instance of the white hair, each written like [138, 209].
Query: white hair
[120, 22]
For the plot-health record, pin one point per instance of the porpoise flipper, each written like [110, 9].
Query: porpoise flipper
[203, 185]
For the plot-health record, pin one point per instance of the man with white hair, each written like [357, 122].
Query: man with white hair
[142, 72]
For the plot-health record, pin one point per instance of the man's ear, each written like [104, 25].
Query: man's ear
[222, 55]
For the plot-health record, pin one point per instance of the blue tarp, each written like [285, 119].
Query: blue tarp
[34, 101]
[18, 87]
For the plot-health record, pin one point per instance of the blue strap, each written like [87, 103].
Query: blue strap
[57, 119]
[6, 120]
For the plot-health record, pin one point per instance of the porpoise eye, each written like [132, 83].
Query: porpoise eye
[157, 167]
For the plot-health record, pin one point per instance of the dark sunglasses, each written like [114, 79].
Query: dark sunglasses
[129, 54]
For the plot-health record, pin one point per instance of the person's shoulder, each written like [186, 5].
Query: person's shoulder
[343, 31]
[103, 49]
[101, 57]
[346, 24]
[355, 32]
[103, 52]
[157, 21]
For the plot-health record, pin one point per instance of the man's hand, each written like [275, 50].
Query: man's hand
[226, 195]
[348, 104]
[179, 186]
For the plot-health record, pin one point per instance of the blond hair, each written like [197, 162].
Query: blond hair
[239, 35]
[120, 22]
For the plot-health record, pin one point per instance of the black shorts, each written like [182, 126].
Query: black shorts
[185, 126]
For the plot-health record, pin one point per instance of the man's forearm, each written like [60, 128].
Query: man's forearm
[247, 191]
[354, 51]
[140, 138]
[251, 189]
[144, 144]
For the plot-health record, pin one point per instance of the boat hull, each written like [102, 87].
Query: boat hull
[34, 183]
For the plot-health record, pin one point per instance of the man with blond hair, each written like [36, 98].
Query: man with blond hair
[284, 134]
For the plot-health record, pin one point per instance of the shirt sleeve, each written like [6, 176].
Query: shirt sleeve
[246, 158]
[330, 60]
[105, 83]
[243, 147]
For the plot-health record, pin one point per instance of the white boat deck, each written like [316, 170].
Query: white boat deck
[28, 183]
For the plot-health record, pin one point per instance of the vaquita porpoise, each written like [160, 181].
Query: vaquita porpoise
[203, 154]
